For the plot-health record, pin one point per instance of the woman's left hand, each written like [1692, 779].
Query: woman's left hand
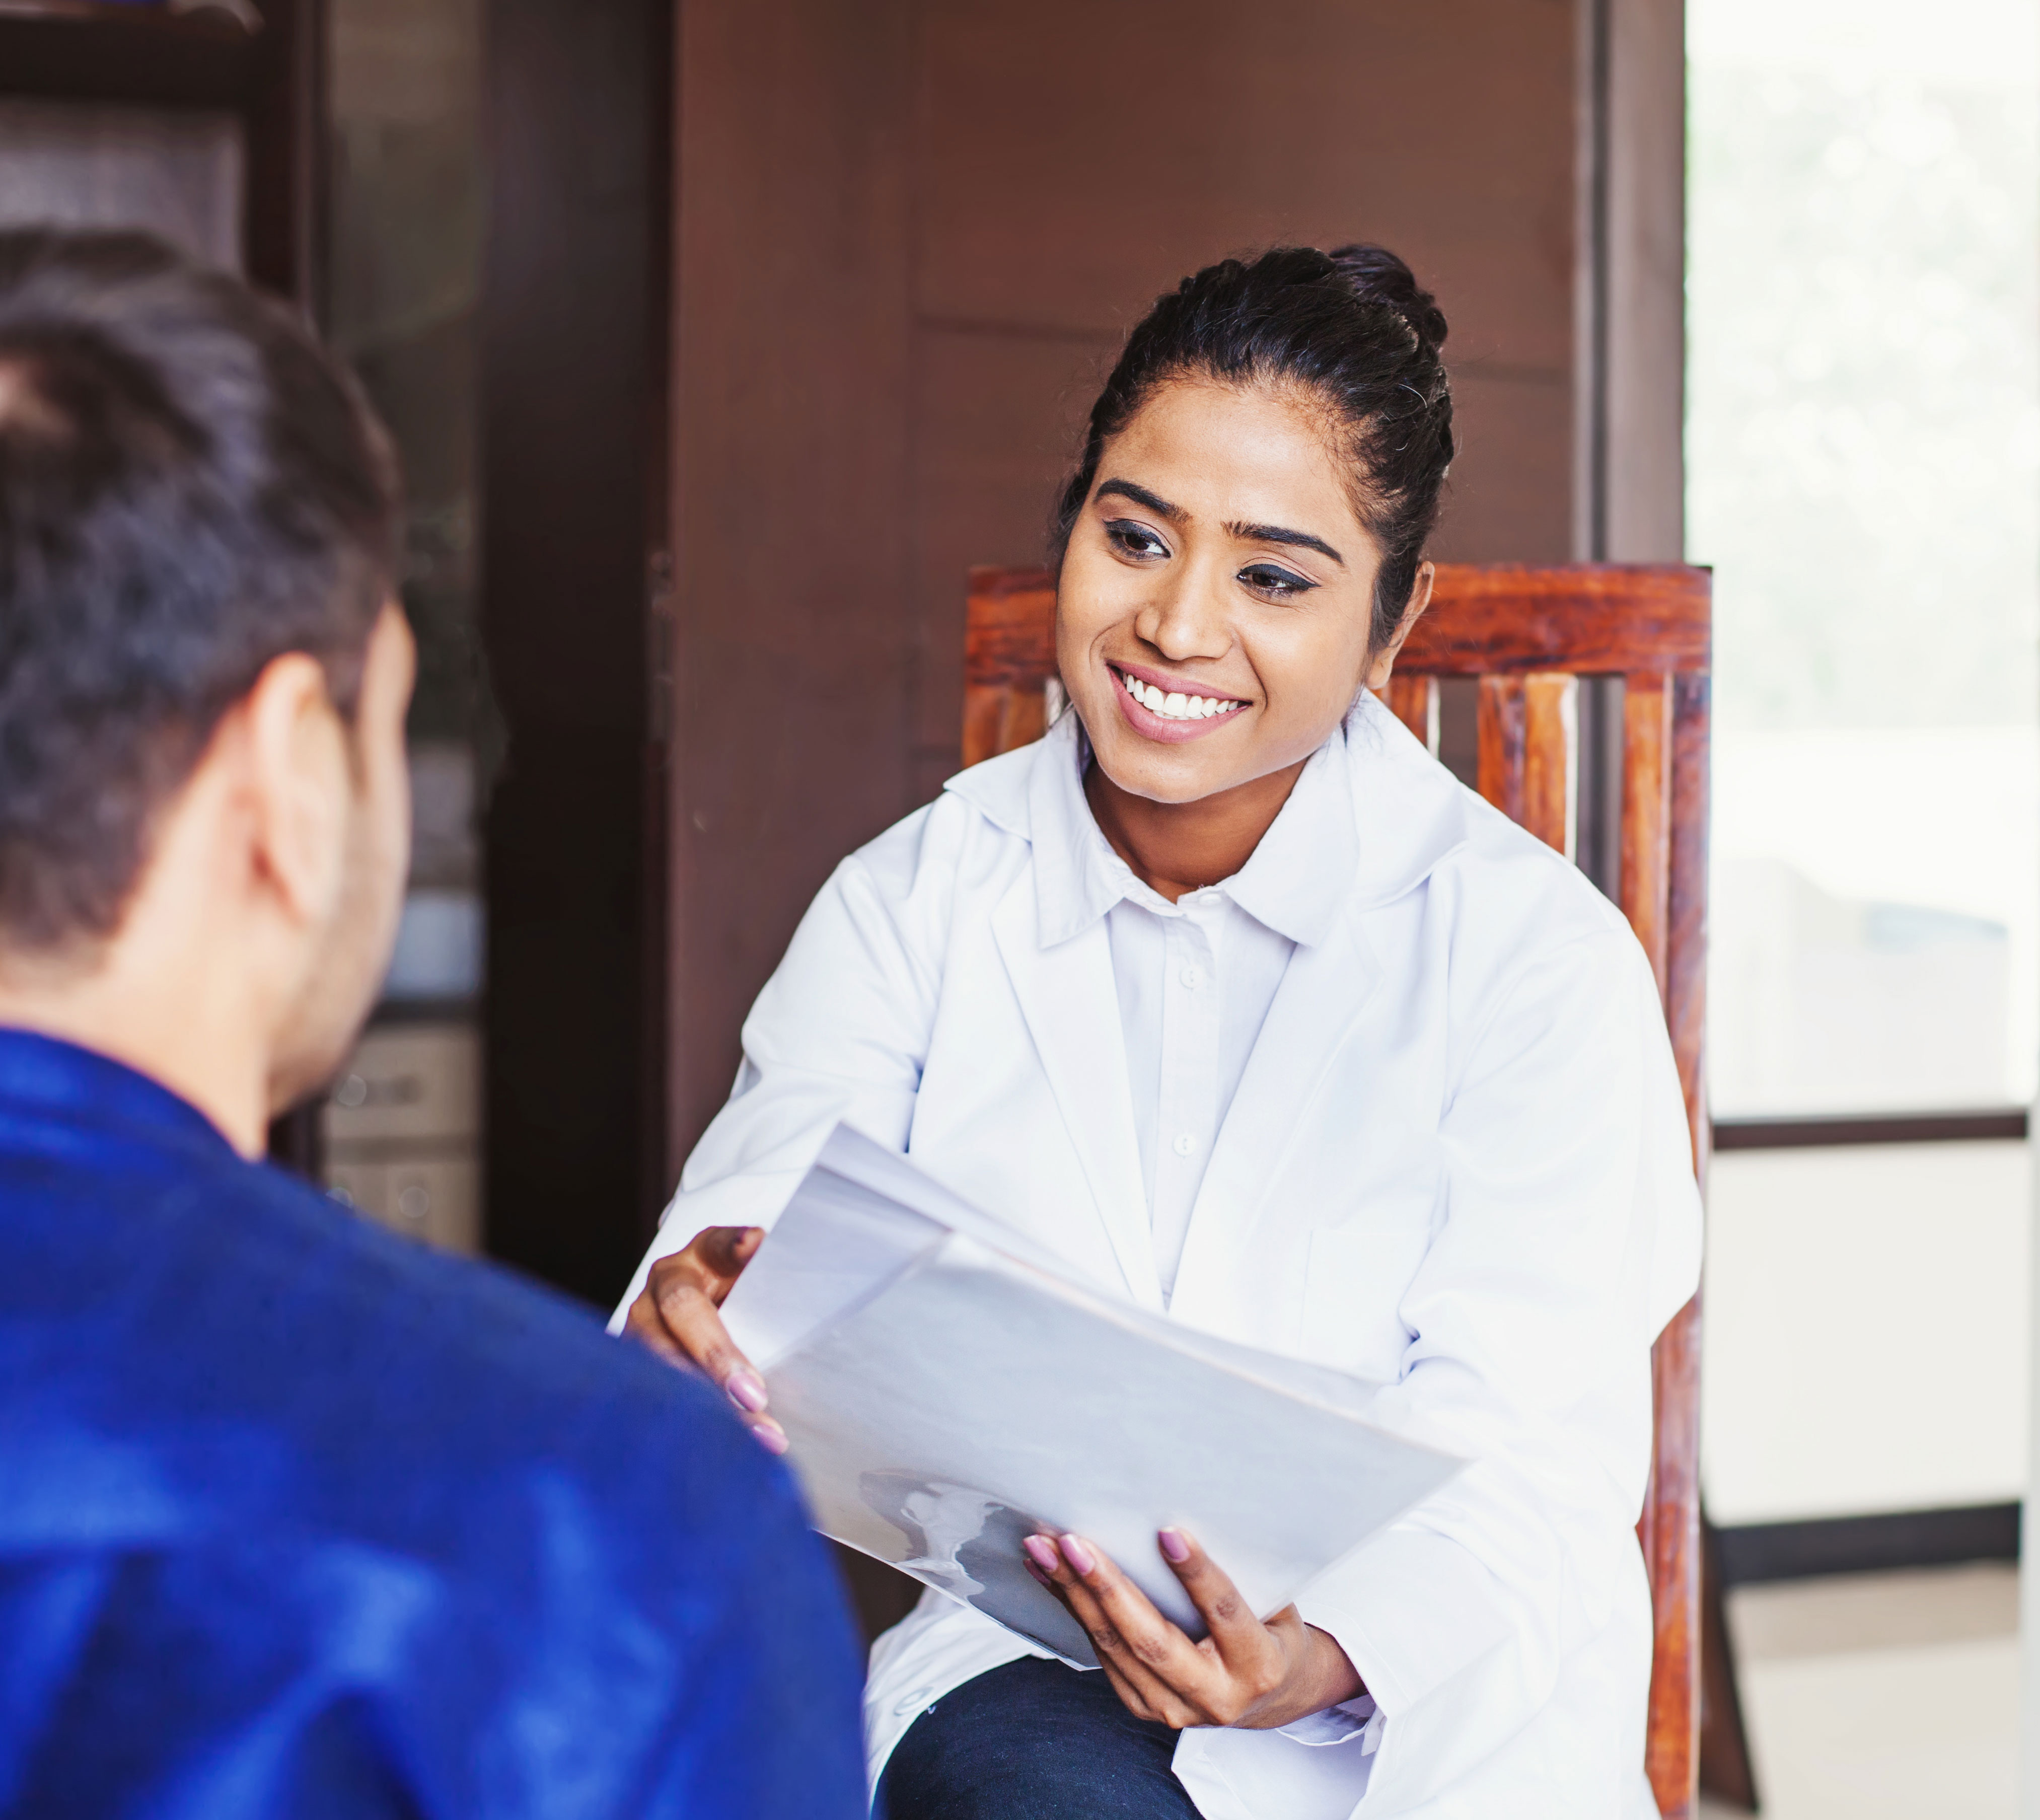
[1246, 1672]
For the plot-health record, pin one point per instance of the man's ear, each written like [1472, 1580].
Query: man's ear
[1383, 661]
[298, 785]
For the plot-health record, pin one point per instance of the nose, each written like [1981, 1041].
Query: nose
[1187, 617]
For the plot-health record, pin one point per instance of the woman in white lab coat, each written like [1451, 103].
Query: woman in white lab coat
[1229, 993]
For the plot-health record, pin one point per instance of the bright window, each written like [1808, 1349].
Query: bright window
[1864, 463]
[1863, 474]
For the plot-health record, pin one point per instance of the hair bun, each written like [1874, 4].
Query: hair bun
[1378, 276]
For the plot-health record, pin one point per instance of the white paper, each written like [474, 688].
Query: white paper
[947, 1393]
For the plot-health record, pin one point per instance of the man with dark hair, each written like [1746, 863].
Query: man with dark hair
[296, 1518]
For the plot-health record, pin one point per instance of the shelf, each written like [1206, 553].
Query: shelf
[236, 19]
[91, 50]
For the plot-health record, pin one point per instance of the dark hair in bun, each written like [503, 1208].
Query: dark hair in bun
[1353, 326]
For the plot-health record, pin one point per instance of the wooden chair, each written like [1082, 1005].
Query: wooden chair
[1529, 635]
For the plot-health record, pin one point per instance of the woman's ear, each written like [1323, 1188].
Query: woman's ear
[1383, 660]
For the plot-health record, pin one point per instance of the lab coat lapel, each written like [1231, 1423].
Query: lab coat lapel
[1072, 1006]
[1325, 992]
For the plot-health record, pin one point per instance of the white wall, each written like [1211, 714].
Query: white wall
[1867, 1319]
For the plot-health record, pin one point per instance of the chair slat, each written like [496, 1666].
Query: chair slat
[1647, 816]
[1527, 742]
[1686, 996]
[1551, 742]
[1499, 776]
[1671, 1538]
[1010, 632]
[1414, 700]
[1672, 1555]
[997, 717]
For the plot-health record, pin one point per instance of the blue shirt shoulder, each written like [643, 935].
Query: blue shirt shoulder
[304, 1519]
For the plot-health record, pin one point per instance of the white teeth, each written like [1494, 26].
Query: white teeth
[1176, 705]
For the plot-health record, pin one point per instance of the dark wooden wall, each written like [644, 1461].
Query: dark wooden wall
[573, 435]
[910, 235]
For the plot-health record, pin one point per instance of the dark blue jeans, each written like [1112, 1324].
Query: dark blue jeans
[1032, 1740]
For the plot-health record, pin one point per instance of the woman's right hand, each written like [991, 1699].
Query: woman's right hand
[678, 1316]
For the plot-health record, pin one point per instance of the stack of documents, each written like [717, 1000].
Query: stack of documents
[947, 1391]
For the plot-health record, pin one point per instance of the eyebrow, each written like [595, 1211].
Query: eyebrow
[1140, 496]
[1252, 533]
[1275, 533]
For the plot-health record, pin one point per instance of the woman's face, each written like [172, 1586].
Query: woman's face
[1219, 570]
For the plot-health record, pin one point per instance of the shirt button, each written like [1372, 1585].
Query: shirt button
[913, 1702]
[1192, 977]
[1184, 1144]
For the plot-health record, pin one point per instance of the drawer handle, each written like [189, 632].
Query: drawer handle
[358, 1091]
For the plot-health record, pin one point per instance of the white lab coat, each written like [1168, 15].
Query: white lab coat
[1457, 1163]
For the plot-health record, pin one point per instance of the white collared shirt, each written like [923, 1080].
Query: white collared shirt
[1196, 977]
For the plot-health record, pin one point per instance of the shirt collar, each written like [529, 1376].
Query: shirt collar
[1293, 882]
[43, 1079]
[1403, 814]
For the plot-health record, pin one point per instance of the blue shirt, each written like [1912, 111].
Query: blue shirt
[298, 1518]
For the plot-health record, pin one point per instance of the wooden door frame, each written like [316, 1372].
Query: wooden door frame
[575, 420]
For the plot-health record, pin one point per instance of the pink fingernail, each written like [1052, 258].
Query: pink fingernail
[774, 1441]
[1041, 1551]
[1041, 1576]
[747, 1390]
[1078, 1555]
[1174, 1546]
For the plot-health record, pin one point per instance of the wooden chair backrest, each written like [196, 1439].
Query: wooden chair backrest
[1529, 635]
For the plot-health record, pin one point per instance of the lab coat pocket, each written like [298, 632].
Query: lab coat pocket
[1359, 1271]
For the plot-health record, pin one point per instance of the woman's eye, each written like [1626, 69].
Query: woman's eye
[1135, 540]
[1274, 582]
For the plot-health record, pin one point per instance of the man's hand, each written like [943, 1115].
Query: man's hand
[677, 1316]
[1244, 1674]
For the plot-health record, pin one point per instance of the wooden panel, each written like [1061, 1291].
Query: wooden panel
[1502, 741]
[793, 337]
[1647, 816]
[997, 421]
[1024, 106]
[1512, 486]
[1414, 700]
[1551, 741]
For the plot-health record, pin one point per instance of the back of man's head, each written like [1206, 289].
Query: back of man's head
[191, 492]
[188, 489]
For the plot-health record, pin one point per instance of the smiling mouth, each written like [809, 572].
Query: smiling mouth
[1177, 705]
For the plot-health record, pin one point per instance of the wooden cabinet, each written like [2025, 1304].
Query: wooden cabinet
[400, 1129]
